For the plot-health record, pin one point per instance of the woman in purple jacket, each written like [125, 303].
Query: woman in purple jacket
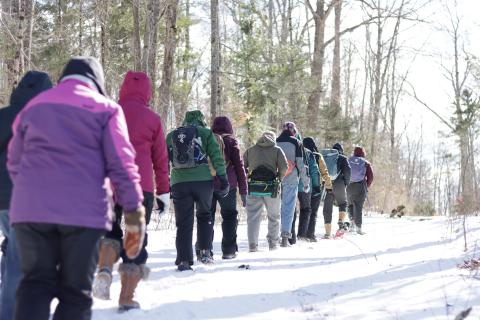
[237, 180]
[66, 142]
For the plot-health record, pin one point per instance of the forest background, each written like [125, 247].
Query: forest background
[400, 77]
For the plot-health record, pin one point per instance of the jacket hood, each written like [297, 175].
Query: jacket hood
[268, 139]
[136, 86]
[88, 67]
[359, 152]
[195, 118]
[338, 147]
[32, 83]
[222, 125]
[309, 143]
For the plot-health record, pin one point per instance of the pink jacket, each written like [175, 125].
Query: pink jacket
[145, 131]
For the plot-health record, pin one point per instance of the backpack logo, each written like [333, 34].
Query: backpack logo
[182, 137]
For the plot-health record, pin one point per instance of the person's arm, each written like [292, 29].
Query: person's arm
[302, 169]
[324, 173]
[213, 151]
[120, 164]
[282, 164]
[347, 171]
[15, 147]
[237, 162]
[160, 160]
[369, 174]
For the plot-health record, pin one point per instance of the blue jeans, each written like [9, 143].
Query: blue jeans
[12, 273]
[289, 200]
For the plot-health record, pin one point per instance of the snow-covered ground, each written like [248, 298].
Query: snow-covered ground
[401, 269]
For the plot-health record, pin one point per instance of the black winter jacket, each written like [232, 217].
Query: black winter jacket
[33, 83]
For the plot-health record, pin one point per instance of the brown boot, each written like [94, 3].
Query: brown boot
[130, 275]
[109, 254]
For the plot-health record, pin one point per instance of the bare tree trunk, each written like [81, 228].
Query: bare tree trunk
[104, 43]
[168, 58]
[215, 60]
[186, 56]
[150, 42]
[30, 13]
[335, 97]
[137, 51]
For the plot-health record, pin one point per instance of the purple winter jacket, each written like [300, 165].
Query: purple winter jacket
[235, 169]
[66, 142]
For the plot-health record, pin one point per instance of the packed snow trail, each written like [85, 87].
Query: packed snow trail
[401, 269]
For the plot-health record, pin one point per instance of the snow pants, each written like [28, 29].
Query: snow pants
[185, 196]
[117, 232]
[57, 261]
[338, 194]
[228, 210]
[254, 214]
[308, 215]
[357, 193]
[11, 273]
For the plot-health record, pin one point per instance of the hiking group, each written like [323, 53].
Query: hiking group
[74, 163]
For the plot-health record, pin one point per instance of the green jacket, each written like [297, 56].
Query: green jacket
[209, 146]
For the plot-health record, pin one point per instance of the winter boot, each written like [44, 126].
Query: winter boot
[130, 276]
[184, 266]
[109, 254]
[359, 231]
[229, 256]
[284, 242]
[328, 231]
[205, 257]
[272, 245]
[252, 247]
[352, 227]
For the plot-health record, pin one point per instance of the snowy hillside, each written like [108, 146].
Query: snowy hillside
[402, 269]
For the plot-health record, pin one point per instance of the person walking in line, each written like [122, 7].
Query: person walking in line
[145, 131]
[237, 179]
[32, 83]
[191, 148]
[361, 179]
[339, 170]
[292, 147]
[266, 165]
[309, 206]
[66, 142]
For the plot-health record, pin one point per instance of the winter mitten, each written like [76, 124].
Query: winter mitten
[244, 200]
[224, 186]
[134, 232]
[163, 202]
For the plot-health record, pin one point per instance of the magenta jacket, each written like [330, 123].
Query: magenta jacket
[145, 131]
[66, 142]
[235, 168]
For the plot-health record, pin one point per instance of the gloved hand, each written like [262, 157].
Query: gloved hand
[224, 186]
[134, 232]
[244, 200]
[329, 190]
[163, 202]
[316, 191]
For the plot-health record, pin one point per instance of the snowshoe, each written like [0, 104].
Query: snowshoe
[101, 285]
[205, 257]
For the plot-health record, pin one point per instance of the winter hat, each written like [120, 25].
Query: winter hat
[88, 67]
[309, 143]
[291, 127]
[32, 83]
[359, 152]
[338, 147]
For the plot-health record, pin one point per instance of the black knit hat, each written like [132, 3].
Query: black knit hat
[339, 147]
[88, 67]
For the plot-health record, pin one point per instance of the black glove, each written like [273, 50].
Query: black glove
[224, 186]
[316, 192]
[244, 200]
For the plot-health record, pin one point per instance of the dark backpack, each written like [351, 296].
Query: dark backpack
[186, 151]
[359, 169]
[330, 156]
